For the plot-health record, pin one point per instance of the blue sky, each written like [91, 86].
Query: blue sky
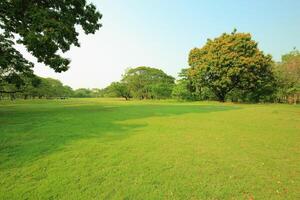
[160, 33]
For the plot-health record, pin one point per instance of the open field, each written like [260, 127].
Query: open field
[112, 149]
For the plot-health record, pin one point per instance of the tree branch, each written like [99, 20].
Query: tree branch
[10, 92]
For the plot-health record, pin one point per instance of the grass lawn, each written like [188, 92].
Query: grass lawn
[112, 149]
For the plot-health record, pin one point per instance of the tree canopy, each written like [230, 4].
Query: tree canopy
[288, 75]
[39, 88]
[230, 62]
[148, 83]
[118, 89]
[46, 29]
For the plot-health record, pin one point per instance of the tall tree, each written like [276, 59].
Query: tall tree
[45, 28]
[231, 61]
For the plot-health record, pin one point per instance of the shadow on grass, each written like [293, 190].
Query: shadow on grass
[32, 132]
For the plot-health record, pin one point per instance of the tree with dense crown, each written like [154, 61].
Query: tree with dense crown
[148, 83]
[231, 61]
[46, 29]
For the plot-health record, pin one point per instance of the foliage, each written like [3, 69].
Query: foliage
[96, 92]
[183, 89]
[14, 68]
[288, 75]
[51, 88]
[186, 89]
[118, 89]
[231, 62]
[40, 88]
[45, 28]
[83, 93]
[148, 83]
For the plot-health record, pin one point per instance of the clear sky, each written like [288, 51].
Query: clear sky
[160, 33]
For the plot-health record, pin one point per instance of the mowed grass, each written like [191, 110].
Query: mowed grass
[112, 149]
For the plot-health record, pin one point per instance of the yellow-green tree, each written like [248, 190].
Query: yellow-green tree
[231, 62]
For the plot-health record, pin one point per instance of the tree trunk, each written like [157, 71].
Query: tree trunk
[221, 97]
[295, 98]
[12, 97]
[220, 94]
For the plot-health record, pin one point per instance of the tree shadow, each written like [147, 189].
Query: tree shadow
[32, 132]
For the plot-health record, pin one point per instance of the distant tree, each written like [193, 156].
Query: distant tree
[186, 89]
[45, 28]
[148, 83]
[162, 90]
[14, 69]
[49, 88]
[119, 89]
[67, 91]
[13, 90]
[231, 62]
[83, 93]
[38, 87]
[183, 89]
[180, 91]
[96, 92]
[288, 76]
[28, 90]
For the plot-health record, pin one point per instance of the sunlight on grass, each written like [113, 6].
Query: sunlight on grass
[112, 149]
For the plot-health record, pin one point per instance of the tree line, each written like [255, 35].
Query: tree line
[227, 68]
[230, 67]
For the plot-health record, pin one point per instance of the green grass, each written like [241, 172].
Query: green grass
[112, 149]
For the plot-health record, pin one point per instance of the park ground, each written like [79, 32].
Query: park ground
[116, 149]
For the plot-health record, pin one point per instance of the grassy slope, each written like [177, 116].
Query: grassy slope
[109, 149]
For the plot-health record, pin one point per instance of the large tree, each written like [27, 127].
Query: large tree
[146, 82]
[46, 28]
[231, 61]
